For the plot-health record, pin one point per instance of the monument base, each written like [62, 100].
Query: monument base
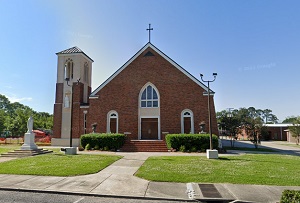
[29, 142]
[212, 154]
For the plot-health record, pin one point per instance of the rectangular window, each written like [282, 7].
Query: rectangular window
[149, 103]
[143, 104]
[155, 103]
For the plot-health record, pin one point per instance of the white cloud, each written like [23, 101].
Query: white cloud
[15, 99]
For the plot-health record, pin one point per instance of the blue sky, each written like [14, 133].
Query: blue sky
[253, 45]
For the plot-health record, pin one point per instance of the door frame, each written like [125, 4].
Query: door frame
[158, 127]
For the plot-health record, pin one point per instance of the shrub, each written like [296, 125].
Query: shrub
[194, 149]
[105, 141]
[96, 147]
[88, 147]
[290, 196]
[80, 148]
[182, 148]
[191, 142]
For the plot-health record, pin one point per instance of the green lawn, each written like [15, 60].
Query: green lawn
[58, 164]
[290, 145]
[262, 169]
[4, 148]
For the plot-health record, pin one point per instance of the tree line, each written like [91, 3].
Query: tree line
[14, 116]
[251, 122]
[248, 120]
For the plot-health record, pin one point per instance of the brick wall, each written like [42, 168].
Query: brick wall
[177, 92]
[278, 133]
[58, 111]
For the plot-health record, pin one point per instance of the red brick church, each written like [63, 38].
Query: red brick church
[148, 97]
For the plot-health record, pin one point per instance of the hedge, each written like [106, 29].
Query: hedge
[102, 141]
[290, 196]
[190, 142]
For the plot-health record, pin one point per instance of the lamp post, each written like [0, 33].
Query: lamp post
[71, 137]
[209, 114]
[67, 80]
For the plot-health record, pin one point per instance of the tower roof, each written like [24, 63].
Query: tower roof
[73, 50]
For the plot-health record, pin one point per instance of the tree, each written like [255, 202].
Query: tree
[14, 116]
[2, 121]
[268, 116]
[290, 119]
[230, 123]
[295, 129]
[248, 120]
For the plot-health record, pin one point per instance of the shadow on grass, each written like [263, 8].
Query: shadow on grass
[249, 148]
[224, 159]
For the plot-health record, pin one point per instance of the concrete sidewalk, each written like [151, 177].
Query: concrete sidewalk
[118, 180]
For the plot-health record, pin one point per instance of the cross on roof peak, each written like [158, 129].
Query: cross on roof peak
[149, 29]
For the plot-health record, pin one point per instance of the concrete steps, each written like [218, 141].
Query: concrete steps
[145, 146]
[25, 153]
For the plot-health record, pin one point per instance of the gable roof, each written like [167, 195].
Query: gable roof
[149, 45]
[73, 50]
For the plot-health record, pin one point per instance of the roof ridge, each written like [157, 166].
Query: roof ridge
[154, 48]
[73, 50]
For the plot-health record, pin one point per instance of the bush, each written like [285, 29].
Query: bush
[190, 142]
[88, 147]
[96, 147]
[182, 148]
[290, 196]
[105, 141]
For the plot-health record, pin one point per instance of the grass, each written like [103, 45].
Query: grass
[250, 149]
[4, 148]
[58, 164]
[261, 169]
[291, 145]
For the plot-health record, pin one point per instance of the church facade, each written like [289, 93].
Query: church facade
[148, 97]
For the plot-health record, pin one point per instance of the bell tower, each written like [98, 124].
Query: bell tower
[73, 87]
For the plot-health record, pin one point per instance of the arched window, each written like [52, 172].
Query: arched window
[69, 69]
[112, 122]
[149, 97]
[86, 72]
[187, 122]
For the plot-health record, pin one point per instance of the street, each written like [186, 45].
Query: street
[31, 197]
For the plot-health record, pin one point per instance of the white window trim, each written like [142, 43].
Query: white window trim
[68, 69]
[148, 108]
[141, 92]
[108, 121]
[182, 120]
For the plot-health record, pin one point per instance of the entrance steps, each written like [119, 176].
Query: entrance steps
[144, 146]
[25, 153]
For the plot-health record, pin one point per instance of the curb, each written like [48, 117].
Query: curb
[95, 195]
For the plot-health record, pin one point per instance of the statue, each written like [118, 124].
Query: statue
[202, 127]
[94, 125]
[30, 125]
[29, 137]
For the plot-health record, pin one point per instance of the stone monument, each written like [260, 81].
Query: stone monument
[29, 137]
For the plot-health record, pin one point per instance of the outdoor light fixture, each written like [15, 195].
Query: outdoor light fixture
[209, 114]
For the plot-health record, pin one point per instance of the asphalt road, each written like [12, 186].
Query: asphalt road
[30, 197]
